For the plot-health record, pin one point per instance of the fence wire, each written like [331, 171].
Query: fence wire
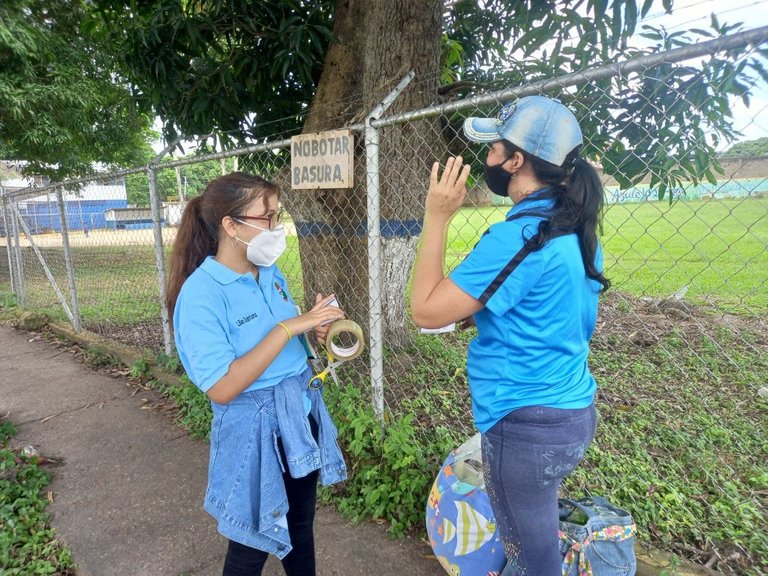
[680, 347]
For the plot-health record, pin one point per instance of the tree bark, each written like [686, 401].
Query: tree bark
[379, 41]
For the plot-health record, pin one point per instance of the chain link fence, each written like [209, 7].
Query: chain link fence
[680, 348]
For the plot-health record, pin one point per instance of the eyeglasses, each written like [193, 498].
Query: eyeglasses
[271, 220]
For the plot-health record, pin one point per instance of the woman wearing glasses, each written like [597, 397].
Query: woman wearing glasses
[236, 330]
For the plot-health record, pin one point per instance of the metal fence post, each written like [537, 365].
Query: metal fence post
[76, 320]
[18, 261]
[374, 270]
[7, 233]
[157, 228]
[374, 248]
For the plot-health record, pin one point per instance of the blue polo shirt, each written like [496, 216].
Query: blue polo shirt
[221, 315]
[534, 331]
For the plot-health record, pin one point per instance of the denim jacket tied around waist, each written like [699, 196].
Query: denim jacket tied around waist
[246, 493]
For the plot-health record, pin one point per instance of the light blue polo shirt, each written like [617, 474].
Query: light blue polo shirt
[221, 315]
[534, 331]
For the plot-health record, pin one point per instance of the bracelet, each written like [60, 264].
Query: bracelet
[284, 327]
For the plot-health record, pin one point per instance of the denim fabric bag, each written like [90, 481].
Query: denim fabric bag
[596, 538]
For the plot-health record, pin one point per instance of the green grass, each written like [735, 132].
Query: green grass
[681, 442]
[28, 544]
[654, 249]
[717, 249]
[115, 284]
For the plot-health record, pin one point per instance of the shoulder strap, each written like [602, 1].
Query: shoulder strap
[509, 268]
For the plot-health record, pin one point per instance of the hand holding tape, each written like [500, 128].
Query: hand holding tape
[348, 330]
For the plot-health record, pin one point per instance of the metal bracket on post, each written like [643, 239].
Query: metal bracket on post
[375, 328]
[44, 265]
[76, 320]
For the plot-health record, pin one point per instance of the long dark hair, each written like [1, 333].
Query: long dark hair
[577, 192]
[198, 234]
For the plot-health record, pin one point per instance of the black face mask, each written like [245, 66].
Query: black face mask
[497, 179]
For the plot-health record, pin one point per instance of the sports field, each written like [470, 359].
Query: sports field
[715, 248]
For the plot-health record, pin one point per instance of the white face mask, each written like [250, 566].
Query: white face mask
[264, 249]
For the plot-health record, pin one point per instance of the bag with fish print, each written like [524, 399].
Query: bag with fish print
[596, 538]
[460, 523]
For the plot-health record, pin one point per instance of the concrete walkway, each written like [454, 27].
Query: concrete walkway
[128, 492]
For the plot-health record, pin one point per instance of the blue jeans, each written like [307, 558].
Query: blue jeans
[525, 457]
[242, 560]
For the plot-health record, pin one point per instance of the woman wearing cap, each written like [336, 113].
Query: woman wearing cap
[237, 334]
[531, 283]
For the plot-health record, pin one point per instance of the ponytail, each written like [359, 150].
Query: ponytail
[584, 191]
[577, 192]
[198, 235]
[194, 242]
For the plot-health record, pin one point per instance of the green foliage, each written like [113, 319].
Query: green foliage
[28, 545]
[194, 178]
[748, 149]
[170, 364]
[391, 469]
[61, 105]
[666, 122]
[140, 368]
[231, 65]
[684, 458]
[8, 300]
[487, 45]
[194, 407]
[674, 139]
[100, 357]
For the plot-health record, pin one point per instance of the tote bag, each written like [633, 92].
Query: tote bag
[460, 523]
[596, 538]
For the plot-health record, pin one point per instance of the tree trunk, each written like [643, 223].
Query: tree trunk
[379, 41]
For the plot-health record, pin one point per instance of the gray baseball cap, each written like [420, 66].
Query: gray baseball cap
[541, 126]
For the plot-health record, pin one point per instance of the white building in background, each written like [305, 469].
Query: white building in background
[86, 208]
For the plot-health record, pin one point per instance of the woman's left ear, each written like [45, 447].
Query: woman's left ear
[228, 223]
[517, 161]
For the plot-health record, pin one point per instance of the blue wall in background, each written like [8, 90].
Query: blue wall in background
[44, 216]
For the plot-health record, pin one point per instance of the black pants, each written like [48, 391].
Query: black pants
[302, 497]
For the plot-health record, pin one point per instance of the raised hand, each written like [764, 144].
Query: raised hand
[447, 190]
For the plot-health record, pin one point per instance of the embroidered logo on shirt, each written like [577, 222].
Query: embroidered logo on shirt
[282, 292]
[247, 318]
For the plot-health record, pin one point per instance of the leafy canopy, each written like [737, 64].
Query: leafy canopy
[244, 68]
[62, 107]
[249, 70]
[748, 149]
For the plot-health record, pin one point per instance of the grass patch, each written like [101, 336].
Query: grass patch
[28, 544]
[682, 437]
[717, 248]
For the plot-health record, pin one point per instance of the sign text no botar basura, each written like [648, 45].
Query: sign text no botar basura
[322, 160]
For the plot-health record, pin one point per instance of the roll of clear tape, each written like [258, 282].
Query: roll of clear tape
[352, 331]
